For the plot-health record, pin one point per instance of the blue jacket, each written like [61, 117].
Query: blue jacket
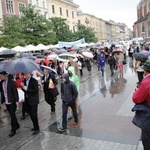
[102, 61]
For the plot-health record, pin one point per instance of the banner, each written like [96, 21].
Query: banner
[71, 44]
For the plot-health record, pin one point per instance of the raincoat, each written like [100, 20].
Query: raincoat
[74, 77]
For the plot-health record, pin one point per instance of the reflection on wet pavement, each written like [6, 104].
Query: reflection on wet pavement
[104, 118]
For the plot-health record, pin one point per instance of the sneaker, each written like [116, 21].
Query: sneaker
[69, 117]
[62, 129]
[52, 113]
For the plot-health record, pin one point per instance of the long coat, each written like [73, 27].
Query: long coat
[32, 95]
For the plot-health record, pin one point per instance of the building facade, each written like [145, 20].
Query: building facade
[42, 6]
[11, 7]
[1, 12]
[108, 31]
[65, 9]
[93, 22]
[141, 27]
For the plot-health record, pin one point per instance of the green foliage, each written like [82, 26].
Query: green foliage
[61, 29]
[34, 28]
[85, 32]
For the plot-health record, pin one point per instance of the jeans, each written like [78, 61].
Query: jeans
[65, 110]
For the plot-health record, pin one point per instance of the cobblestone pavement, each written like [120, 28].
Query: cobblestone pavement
[104, 118]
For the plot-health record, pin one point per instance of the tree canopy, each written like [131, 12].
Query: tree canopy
[33, 28]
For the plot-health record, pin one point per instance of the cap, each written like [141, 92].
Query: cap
[146, 65]
[3, 72]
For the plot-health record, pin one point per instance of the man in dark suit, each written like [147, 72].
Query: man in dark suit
[9, 96]
[47, 90]
[30, 88]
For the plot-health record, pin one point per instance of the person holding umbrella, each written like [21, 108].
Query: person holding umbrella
[9, 96]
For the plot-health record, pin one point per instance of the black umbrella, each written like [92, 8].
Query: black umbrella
[21, 65]
[7, 53]
[140, 56]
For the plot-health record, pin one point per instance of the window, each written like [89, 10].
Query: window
[37, 2]
[143, 28]
[60, 11]
[43, 4]
[30, 2]
[9, 6]
[74, 29]
[67, 13]
[20, 6]
[72, 14]
[53, 9]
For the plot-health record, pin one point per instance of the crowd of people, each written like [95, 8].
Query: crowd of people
[70, 85]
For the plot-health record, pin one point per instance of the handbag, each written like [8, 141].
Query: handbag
[142, 116]
[54, 92]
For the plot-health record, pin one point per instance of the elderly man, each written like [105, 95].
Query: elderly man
[30, 88]
[142, 95]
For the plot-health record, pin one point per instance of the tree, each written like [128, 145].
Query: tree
[30, 28]
[61, 29]
[85, 32]
[11, 29]
[36, 28]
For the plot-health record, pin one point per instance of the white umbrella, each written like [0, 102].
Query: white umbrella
[31, 47]
[65, 57]
[88, 54]
[41, 47]
[3, 48]
[19, 49]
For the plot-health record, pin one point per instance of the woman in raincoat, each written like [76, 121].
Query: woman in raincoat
[73, 77]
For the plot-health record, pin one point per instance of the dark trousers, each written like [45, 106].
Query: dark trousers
[50, 100]
[12, 111]
[146, 139]
[140, 76]
[33, 109]
[24, 109]
[112, 68]
[65, 110]
[81, 72]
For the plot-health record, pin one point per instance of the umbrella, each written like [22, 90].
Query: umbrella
[21, 65]
[52, 56]
[52, 71]
[7, 53]
[117, 51]
[65, 57]
[88, 54]
[140, 56]
[145, 52]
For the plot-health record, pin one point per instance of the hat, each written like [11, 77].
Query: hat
[146, 65]
[3, 72]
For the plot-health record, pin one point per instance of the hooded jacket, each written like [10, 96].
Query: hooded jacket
[69, 91]
[74, 78]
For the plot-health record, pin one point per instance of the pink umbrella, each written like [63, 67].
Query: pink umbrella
[52, 56]
[145, 52]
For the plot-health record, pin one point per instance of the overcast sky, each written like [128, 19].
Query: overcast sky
[124, 11]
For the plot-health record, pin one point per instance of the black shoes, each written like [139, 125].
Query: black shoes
[52, 113]
[32, 129]
[12, 133]
[36, 132]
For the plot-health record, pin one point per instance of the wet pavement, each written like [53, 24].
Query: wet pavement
[104, 118]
